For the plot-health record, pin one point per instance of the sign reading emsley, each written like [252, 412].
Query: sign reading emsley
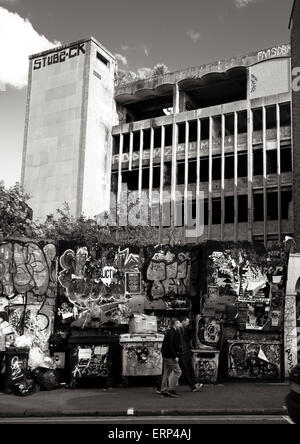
[59, 57]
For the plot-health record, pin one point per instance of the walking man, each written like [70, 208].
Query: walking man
[186, 357]
[171, 350]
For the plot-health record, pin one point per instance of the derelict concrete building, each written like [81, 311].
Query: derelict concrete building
[221, 131]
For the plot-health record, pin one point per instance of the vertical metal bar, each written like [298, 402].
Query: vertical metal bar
[174, 170]
[264, 114]
[186, 172]
[223, 177]
[141, 164]
[162, 177]
[151, 167]
[250, 171]
[236, 200]
[120, 170]
[210, 178]
[198, 180]
[131, 151]
[278, 122]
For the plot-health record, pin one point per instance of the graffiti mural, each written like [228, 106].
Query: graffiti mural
[168, 278]
[28, 288]
[251, 360]
[298, 327]
[97, 287]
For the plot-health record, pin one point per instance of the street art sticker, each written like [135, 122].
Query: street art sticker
[252, 360]
[168, 276]
[90, 361]
[142, 360]
[208, 332]
[28, 288]
[95, 285]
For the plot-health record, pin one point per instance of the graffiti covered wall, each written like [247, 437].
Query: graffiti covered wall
[28, 289]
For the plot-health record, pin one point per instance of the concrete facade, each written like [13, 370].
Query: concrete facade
[295, 44]
[220, 131]
[68, 125]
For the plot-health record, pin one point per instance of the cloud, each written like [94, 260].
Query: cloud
[146, 51]
[121, 59]
[193, 35]
[144, 73]
[124, 47]
[243, 3]
[18, 40]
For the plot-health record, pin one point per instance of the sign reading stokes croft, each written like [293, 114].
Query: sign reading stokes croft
[59, 57]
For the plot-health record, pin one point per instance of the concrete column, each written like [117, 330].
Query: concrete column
[120, 169]
[174, 169]
[198, 180]
[210, 179]
[131, 151]
[151, 167]
[236, 202]
[223, 178]
[141, 163]
[162, 179]
[250, 173]
[186, 172]
[264, 117]
[176, 99]
[279, 169]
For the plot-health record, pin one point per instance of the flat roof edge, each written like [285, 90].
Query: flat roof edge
[67, 45]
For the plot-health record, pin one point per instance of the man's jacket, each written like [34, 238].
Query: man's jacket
[171, 348]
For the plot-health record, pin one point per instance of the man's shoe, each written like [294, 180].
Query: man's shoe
[163, 394]
[172, 394]
[197, 388]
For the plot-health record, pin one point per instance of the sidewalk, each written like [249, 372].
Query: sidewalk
[229, 399]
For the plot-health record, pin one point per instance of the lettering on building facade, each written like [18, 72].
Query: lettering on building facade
[59, 57]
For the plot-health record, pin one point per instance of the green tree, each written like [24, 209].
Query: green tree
[15, 214]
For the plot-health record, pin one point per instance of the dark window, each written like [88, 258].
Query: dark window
[258, 167]
[216, 168]
[272, 162]
[102, 59]
[114, 182]
[206, 212]
[286, 204]
[145, 179]
[136, 141]
[242, 165]
[168, 135]
[193, 131]
[132, 179]
[243, 209]
[156, 177]
[147, 139]
[180, 173]
[116, 145]
[258, 202]
[157, 137]
[126, 143]
[285, 114]
[192, 172]
[271, 119]
[167, 173]
[272, 205]
[229, 210]
[181, 133]
[286, 160]
[229, 167]
[204, 169]
[216, 211]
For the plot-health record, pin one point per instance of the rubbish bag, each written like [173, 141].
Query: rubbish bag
[47, 379]
[24, 388]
